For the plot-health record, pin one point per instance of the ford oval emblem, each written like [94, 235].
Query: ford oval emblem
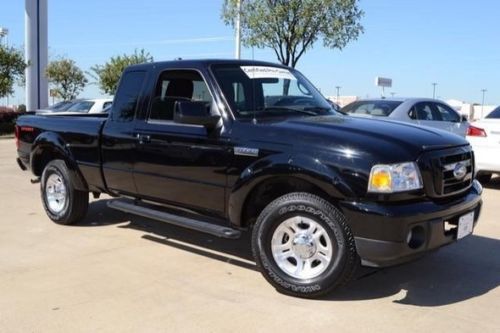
[459, 171]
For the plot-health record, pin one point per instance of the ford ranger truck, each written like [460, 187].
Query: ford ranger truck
[225, 146]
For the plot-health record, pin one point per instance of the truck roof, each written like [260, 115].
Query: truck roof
[205, 63]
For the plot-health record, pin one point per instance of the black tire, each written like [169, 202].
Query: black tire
[340, 269]
[484, 178]
[76, 202]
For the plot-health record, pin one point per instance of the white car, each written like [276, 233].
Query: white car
[484, 137]
[419, 111]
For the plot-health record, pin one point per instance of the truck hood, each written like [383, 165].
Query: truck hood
[387, 141]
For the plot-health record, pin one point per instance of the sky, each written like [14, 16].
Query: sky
[415, 43]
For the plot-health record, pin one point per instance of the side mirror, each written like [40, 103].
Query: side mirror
[463, 118]
[194, 113]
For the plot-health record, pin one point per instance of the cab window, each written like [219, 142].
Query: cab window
[174, 86]
[127, 96]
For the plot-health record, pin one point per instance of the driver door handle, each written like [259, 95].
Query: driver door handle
[142, 138]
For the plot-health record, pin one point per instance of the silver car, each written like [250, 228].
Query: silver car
[419, 111]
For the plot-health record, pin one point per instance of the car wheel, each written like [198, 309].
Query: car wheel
[303, 246]
[62, 202]
[484, 178]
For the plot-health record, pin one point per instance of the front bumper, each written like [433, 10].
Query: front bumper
[381, 230]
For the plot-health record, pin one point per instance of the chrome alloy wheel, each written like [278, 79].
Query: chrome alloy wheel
[301, 247]
[55, 193]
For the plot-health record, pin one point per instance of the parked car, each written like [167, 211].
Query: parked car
[79, 106]
[484, 136]
[217, 146]
[419, 111]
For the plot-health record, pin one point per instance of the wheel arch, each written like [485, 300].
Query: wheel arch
[267, 180]
[50, 146]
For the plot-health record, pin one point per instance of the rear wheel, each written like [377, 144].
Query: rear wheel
[303, 246]
[62, 202]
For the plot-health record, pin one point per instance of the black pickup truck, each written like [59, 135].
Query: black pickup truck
[224, 146]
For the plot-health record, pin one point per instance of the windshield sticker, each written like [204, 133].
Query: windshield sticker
[263, 72]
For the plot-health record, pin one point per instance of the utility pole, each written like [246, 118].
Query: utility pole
[482, 103]
[338, 93]
[238, 31]
[434, 84]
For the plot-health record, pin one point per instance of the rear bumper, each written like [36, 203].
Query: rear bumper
[381, 231]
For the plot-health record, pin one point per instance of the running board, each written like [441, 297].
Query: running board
[128, 206]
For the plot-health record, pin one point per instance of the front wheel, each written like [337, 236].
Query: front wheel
[303, 246]
[63, 203]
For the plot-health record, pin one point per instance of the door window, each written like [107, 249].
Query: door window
[424, 111]
[447, 113]
[174, 86]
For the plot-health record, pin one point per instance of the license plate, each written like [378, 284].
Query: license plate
[465, 225]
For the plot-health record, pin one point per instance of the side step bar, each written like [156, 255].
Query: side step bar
[128, 206]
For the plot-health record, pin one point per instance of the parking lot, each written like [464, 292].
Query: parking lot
[117, 272]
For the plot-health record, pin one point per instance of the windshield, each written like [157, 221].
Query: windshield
[83, 106]
[266, 91]
[381, 108]
[61, 106]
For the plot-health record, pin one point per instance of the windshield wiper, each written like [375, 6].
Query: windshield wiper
[322, 108]
[283, 108]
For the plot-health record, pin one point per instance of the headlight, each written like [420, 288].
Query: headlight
[394, 178]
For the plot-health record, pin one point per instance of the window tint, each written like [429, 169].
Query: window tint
[177, 85]
[495, 114]
[374, 108]
[127, 96]
[447, 113]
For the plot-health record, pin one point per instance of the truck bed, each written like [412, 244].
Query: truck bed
[76, 135]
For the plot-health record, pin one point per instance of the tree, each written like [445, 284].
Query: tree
[291, 27]
[12, 68]
[109, 74]
[67, 78]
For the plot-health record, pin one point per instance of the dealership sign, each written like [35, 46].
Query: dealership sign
[383, 82]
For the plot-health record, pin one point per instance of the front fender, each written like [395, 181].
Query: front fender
[306, 168]
[50, 145]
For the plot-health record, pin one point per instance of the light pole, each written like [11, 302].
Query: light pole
[434, 84]
[482, 103]
[237, 54]
[338, 93]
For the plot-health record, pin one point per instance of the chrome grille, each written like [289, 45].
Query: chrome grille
[456, 173]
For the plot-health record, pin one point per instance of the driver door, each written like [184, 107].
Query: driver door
[180, 164]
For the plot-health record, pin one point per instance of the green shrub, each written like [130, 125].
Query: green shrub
[7, 120]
